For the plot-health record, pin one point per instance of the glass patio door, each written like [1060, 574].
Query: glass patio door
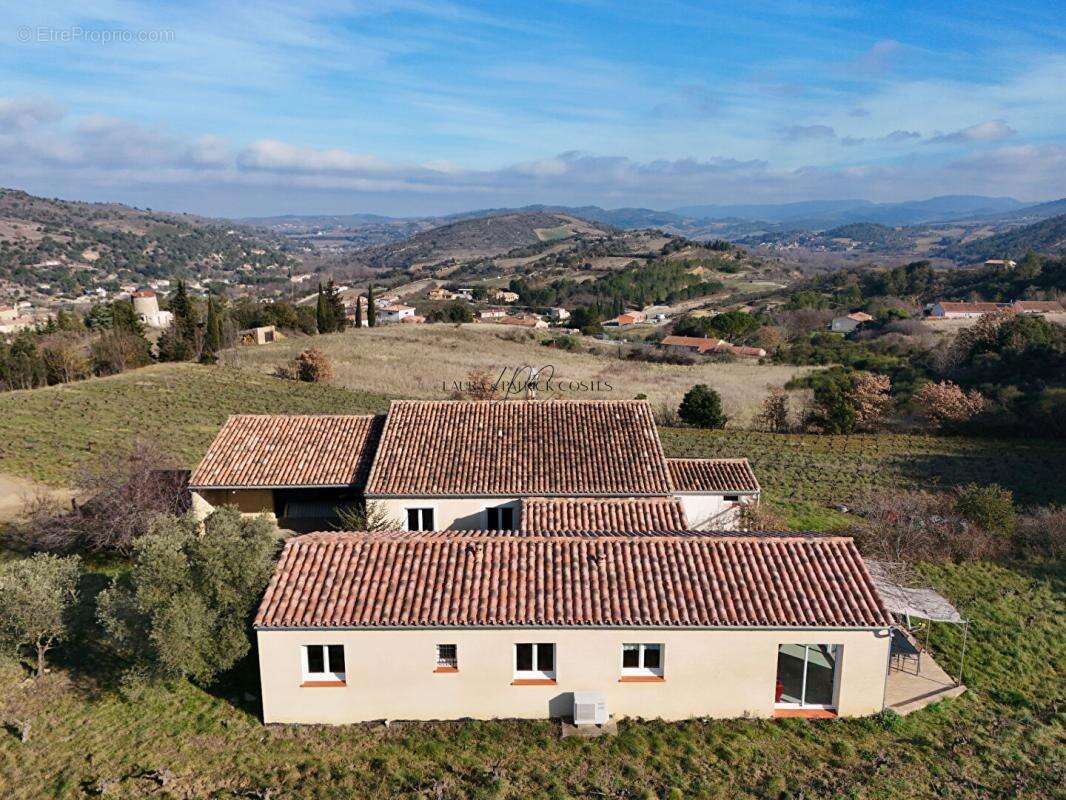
[806, 675]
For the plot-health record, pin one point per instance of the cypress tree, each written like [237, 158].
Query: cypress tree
[321, 314]
[359, 311]
[335, 303]
[184, 316]
[371, 311]
[212, 333]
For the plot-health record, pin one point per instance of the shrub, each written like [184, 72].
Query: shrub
[774, 414]
[1042, 533]
[313, 366]
[702, 408]
[366, 516]
[991, 507]
[37, 595]
[183, 608]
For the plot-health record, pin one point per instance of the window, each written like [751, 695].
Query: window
[642, 660]
[500, 518]
[806, 675]
[731, 498]
[447, 658]
[420, 519]
[534, 661]
[323, 662]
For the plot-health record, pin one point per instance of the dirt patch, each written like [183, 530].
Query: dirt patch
[15, 493]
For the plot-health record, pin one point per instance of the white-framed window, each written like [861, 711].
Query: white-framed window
[499, 518]
[447, 657]
[642, 660]
[807, 675]
[534, 661]
[323, 662]
[420, 519]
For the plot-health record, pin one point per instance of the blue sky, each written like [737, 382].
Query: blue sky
[422, 106]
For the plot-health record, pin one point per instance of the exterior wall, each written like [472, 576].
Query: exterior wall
[450, 513]
[248, 501]
[712, 512]
[717, 673]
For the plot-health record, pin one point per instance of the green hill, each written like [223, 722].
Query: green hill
[1047, 236]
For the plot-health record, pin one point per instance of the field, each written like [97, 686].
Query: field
[46, 434]
[425, 362]
[93, 733]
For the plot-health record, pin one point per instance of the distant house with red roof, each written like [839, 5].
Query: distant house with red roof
[947, 309]
[697, 344]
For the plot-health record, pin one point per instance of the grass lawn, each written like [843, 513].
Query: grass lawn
[46, 434]
[1003, 739]
[802, 474]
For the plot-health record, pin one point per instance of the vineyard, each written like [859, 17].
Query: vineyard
[805, 474]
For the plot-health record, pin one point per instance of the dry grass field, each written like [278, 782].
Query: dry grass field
[426, 361]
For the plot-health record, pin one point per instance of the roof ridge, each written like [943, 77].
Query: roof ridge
[498, 535]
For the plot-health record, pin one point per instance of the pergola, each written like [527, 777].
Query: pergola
[909, 602]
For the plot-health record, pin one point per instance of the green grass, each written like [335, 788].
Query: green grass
[804, 474]
[1003, 739]
[47, 434]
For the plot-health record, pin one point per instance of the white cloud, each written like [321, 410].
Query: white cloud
[272, 155]
[994, 131]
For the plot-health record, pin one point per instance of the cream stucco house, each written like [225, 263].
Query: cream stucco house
[441, 465]
[473, 624]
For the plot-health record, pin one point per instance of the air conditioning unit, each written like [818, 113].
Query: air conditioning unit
[590, 708]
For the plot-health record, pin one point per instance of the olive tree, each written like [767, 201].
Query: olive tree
[37, 595]
[183, 608]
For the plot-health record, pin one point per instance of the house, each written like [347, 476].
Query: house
[1037, 306]
[386, 301]
[492, 313]
[13, 321]
[264, 334]
[440, 293]
[523, 321]
[951, 310]
[850, 322]
[471, 624]
[630, 318]
[503, 296]
[1001, 262]
[146, 307]
[395, 313]
[697, 344]
[469, 465]
[559, 314]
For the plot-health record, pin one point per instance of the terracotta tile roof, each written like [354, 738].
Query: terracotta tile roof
[667, 580]
[712, 475]
[602, 514]
[1038, 305]
[519, 448]
[298, 450]
[970, 308]
[702, 345]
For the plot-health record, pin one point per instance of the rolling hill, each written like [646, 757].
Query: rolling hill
[1047, 236]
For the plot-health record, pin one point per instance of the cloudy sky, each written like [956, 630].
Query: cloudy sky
[429, 106]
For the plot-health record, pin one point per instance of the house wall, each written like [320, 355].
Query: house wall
[712, 512]
[247, 501]
[450, 513]
[390, 674]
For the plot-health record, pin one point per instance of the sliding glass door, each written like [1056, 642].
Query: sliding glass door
[806, 675]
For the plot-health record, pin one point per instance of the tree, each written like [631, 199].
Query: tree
[212, 333]
[991, 507]
[116, 351]
[945, 403]
[587, 320]
[359, 312]
[322, 312]
[702, 408]
[371, 309]
[37, 595]
[185, 321]
[774, 414]
[367, 515]
[338, 317]
[183, 608]
[65, 356]
[845, 401]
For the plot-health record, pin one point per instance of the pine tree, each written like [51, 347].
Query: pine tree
[184, 315]
[321, 314]
[212, 333]
[371, 311]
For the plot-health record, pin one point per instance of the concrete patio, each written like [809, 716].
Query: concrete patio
[910, 688]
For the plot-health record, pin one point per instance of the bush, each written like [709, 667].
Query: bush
[702, 408]
[991, 507]
[183, 608]
[1042, 533]
[945, 403]
[312, 366]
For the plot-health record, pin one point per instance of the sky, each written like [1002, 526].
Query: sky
[435, 106]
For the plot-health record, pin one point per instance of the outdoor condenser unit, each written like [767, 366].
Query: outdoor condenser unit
[590, 708]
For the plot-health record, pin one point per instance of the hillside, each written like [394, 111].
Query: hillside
[1047, 236]
[75, 246]
[479, 237]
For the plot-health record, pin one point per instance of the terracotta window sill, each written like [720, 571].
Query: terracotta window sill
[321, 684]
[805, 713]
[446, 669]
[641, 679]
[533, 682]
